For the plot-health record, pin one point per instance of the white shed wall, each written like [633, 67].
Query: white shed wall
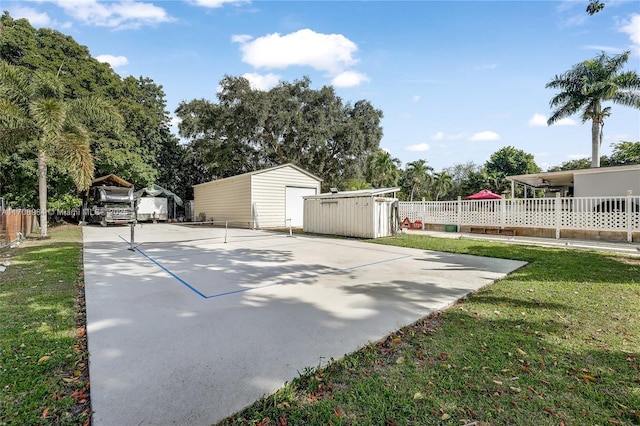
[225, 200]
[606, 183]
[361, 217]
[269, 193]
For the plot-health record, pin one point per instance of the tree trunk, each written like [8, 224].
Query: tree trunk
[595, 142]
[42, 192]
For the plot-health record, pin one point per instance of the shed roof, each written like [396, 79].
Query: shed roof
[565, 177]
[270, 169]
[111, 180]
[352, 194]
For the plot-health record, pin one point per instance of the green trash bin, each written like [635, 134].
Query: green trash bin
[451, 228]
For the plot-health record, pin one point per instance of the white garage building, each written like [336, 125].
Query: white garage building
[262, 199]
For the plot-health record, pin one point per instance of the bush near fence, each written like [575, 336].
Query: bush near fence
[15, 223]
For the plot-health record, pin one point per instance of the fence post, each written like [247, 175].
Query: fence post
[628, 216]
[503, 212]
[424, 212]
[459, 213]
[558, 205]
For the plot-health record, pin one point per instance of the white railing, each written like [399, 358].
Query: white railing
[578, 213]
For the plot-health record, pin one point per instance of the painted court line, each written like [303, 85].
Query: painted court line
[243, 290]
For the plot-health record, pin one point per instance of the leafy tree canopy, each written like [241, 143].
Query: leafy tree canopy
[249, 129]
[144, 152]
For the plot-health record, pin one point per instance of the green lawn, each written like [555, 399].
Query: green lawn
[43, 360]
[555, 343]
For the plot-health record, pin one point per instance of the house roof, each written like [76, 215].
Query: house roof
[111, 180]
[565, 177]
[270, 169]
[351, 194]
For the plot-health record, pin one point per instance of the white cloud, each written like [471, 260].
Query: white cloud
[485, 136]
[566, 122]
[174, 121]
[441, 136]
[114, 61]
[262, 82]
[215, 3]
[416, 98]
[349, 79]
[325, 52]
[632, 28]
[35, 18]
[241, 38]
[421, 147]
[538, 120]
[118, 14]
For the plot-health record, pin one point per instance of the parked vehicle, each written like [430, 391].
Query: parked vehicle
[109, 205]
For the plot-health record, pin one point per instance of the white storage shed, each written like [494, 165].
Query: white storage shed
[362, 214]
[268, 198]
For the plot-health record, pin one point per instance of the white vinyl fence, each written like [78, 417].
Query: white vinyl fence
[579, 213]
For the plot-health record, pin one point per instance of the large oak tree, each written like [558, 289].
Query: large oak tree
[248, 129]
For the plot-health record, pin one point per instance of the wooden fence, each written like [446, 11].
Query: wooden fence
[591, 214]
[16, 223]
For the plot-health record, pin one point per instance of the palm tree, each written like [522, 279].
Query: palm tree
[443, 183]
[35, 114]
[419, 175]
[586, 86]
[357, 184]
[383, 169]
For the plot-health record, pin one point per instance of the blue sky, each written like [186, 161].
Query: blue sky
[456, 80]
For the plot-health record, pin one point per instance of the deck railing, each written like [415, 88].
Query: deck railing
[576, 213]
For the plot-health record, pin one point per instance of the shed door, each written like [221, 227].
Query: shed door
[294, 204]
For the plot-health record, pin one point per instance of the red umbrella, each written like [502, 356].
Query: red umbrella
[485, 194]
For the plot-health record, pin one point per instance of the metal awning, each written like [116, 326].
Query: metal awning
[546, 179]
[565, 177]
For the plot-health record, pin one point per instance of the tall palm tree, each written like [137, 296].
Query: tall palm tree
[35, 114]
[586, 86]
[383, 169]
[419, 175]
[443, 183]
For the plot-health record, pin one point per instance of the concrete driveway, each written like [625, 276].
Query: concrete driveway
[187, 329]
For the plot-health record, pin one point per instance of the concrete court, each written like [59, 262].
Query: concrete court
[187, 329]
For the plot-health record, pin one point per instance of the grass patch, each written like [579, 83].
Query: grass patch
[557, 342]
[43, 359]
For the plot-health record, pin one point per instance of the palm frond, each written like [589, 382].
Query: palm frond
[49, 115]
[74, 153]
[96, 110]
[46, 85]
[14, 85]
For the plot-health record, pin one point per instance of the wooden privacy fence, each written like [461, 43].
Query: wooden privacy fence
[612, 214]
[15, 223]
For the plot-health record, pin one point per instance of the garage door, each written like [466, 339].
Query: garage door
[295, 204]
